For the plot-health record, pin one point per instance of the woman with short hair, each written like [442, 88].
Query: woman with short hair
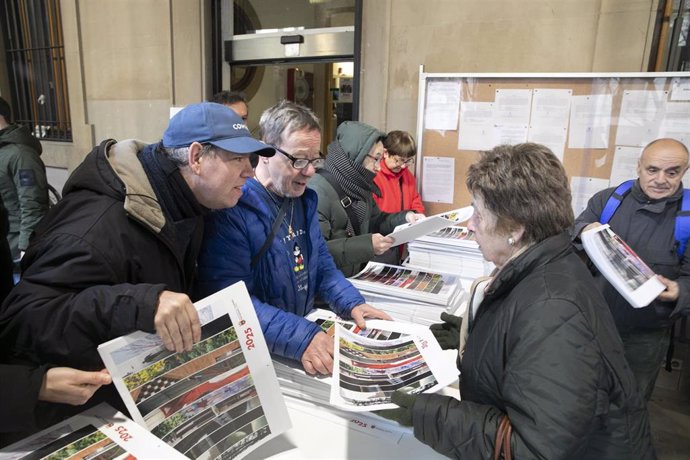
[541, 355]
[397, 186]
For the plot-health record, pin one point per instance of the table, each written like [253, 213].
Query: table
[319, 433]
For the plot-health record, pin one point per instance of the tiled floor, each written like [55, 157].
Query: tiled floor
[669, 408]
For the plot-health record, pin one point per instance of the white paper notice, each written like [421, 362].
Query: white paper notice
[438, 179]
[582, 189]
[676, 122]
[510, 134]
[512, 106]
[624, 164]
[590, 121]
[551, 107]
[549, 119]
[476, 126]
[442, 105]
[680, 89]
[551, 136]
[640, 117]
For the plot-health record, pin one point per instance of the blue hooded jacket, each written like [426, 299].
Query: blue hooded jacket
[233, 236]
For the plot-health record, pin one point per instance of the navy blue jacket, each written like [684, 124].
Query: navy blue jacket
[647, 226]
[234, 236]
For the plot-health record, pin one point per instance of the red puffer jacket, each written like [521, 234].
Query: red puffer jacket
[398, 191]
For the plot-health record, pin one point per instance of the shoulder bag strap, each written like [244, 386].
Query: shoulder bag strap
[272, 235]
[502, 450]
[345, 200]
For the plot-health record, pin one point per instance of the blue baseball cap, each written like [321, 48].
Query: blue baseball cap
[215, 124]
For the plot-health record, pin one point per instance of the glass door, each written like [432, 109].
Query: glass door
[301, 50]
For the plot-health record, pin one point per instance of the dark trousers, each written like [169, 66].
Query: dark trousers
[645, 350]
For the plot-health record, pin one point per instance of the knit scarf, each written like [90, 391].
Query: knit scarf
[356, 180]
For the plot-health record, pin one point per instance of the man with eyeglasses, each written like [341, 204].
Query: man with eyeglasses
[351, 222]
[272, 241]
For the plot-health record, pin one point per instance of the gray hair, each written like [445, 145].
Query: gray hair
[523, 185]
[179, 155]
[285, 118]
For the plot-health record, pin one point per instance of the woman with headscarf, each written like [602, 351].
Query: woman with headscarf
[543, 373]
[351, 222]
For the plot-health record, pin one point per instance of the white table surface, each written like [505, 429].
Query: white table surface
[318, 433]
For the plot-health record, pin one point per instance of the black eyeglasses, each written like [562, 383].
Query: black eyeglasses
[302, 163]
[399, 161]
[377, 160]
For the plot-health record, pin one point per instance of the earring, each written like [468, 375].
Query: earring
[511, 241]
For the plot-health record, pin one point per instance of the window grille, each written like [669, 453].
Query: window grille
[35, 57]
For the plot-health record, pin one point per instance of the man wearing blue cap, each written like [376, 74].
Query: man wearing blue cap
[118, 252]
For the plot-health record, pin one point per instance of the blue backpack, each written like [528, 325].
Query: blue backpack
[682, 228]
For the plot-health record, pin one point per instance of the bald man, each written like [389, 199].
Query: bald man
[645, 219]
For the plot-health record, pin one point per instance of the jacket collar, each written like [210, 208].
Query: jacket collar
[656, 206]
[534, 257]
[254, 196]
[385, 170]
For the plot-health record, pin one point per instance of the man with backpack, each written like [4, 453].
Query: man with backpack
[649, 215]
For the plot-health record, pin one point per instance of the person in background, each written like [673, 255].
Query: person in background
[543, 373]
[23, 183]
[272, 241]
[646, 220]
[236, 100]
[351, 222]
[118, 252]
[394, 180]
[397, 187]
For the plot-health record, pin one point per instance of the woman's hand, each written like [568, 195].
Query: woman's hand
[412, 217]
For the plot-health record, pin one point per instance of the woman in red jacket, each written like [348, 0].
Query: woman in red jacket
[394, 180]
[397, 184]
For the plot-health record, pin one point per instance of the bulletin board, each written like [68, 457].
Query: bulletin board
[596, 123]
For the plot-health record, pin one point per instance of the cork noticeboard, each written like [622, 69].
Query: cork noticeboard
[625, 99]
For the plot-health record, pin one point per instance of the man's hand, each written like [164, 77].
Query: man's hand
[591, 226]
[65, 385]
[318, 357]
[412, 217]
[671, 292]
[177, 321]
[381, 243]
[365, 310]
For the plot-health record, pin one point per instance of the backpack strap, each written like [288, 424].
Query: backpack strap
[615, 201]
[345, 200]
[682, 229]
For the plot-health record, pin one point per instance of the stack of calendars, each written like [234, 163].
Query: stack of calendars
[408, 294]
[450, 250]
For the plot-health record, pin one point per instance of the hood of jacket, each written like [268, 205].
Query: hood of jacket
[17, 134]
[113, 169]
[356, 139]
